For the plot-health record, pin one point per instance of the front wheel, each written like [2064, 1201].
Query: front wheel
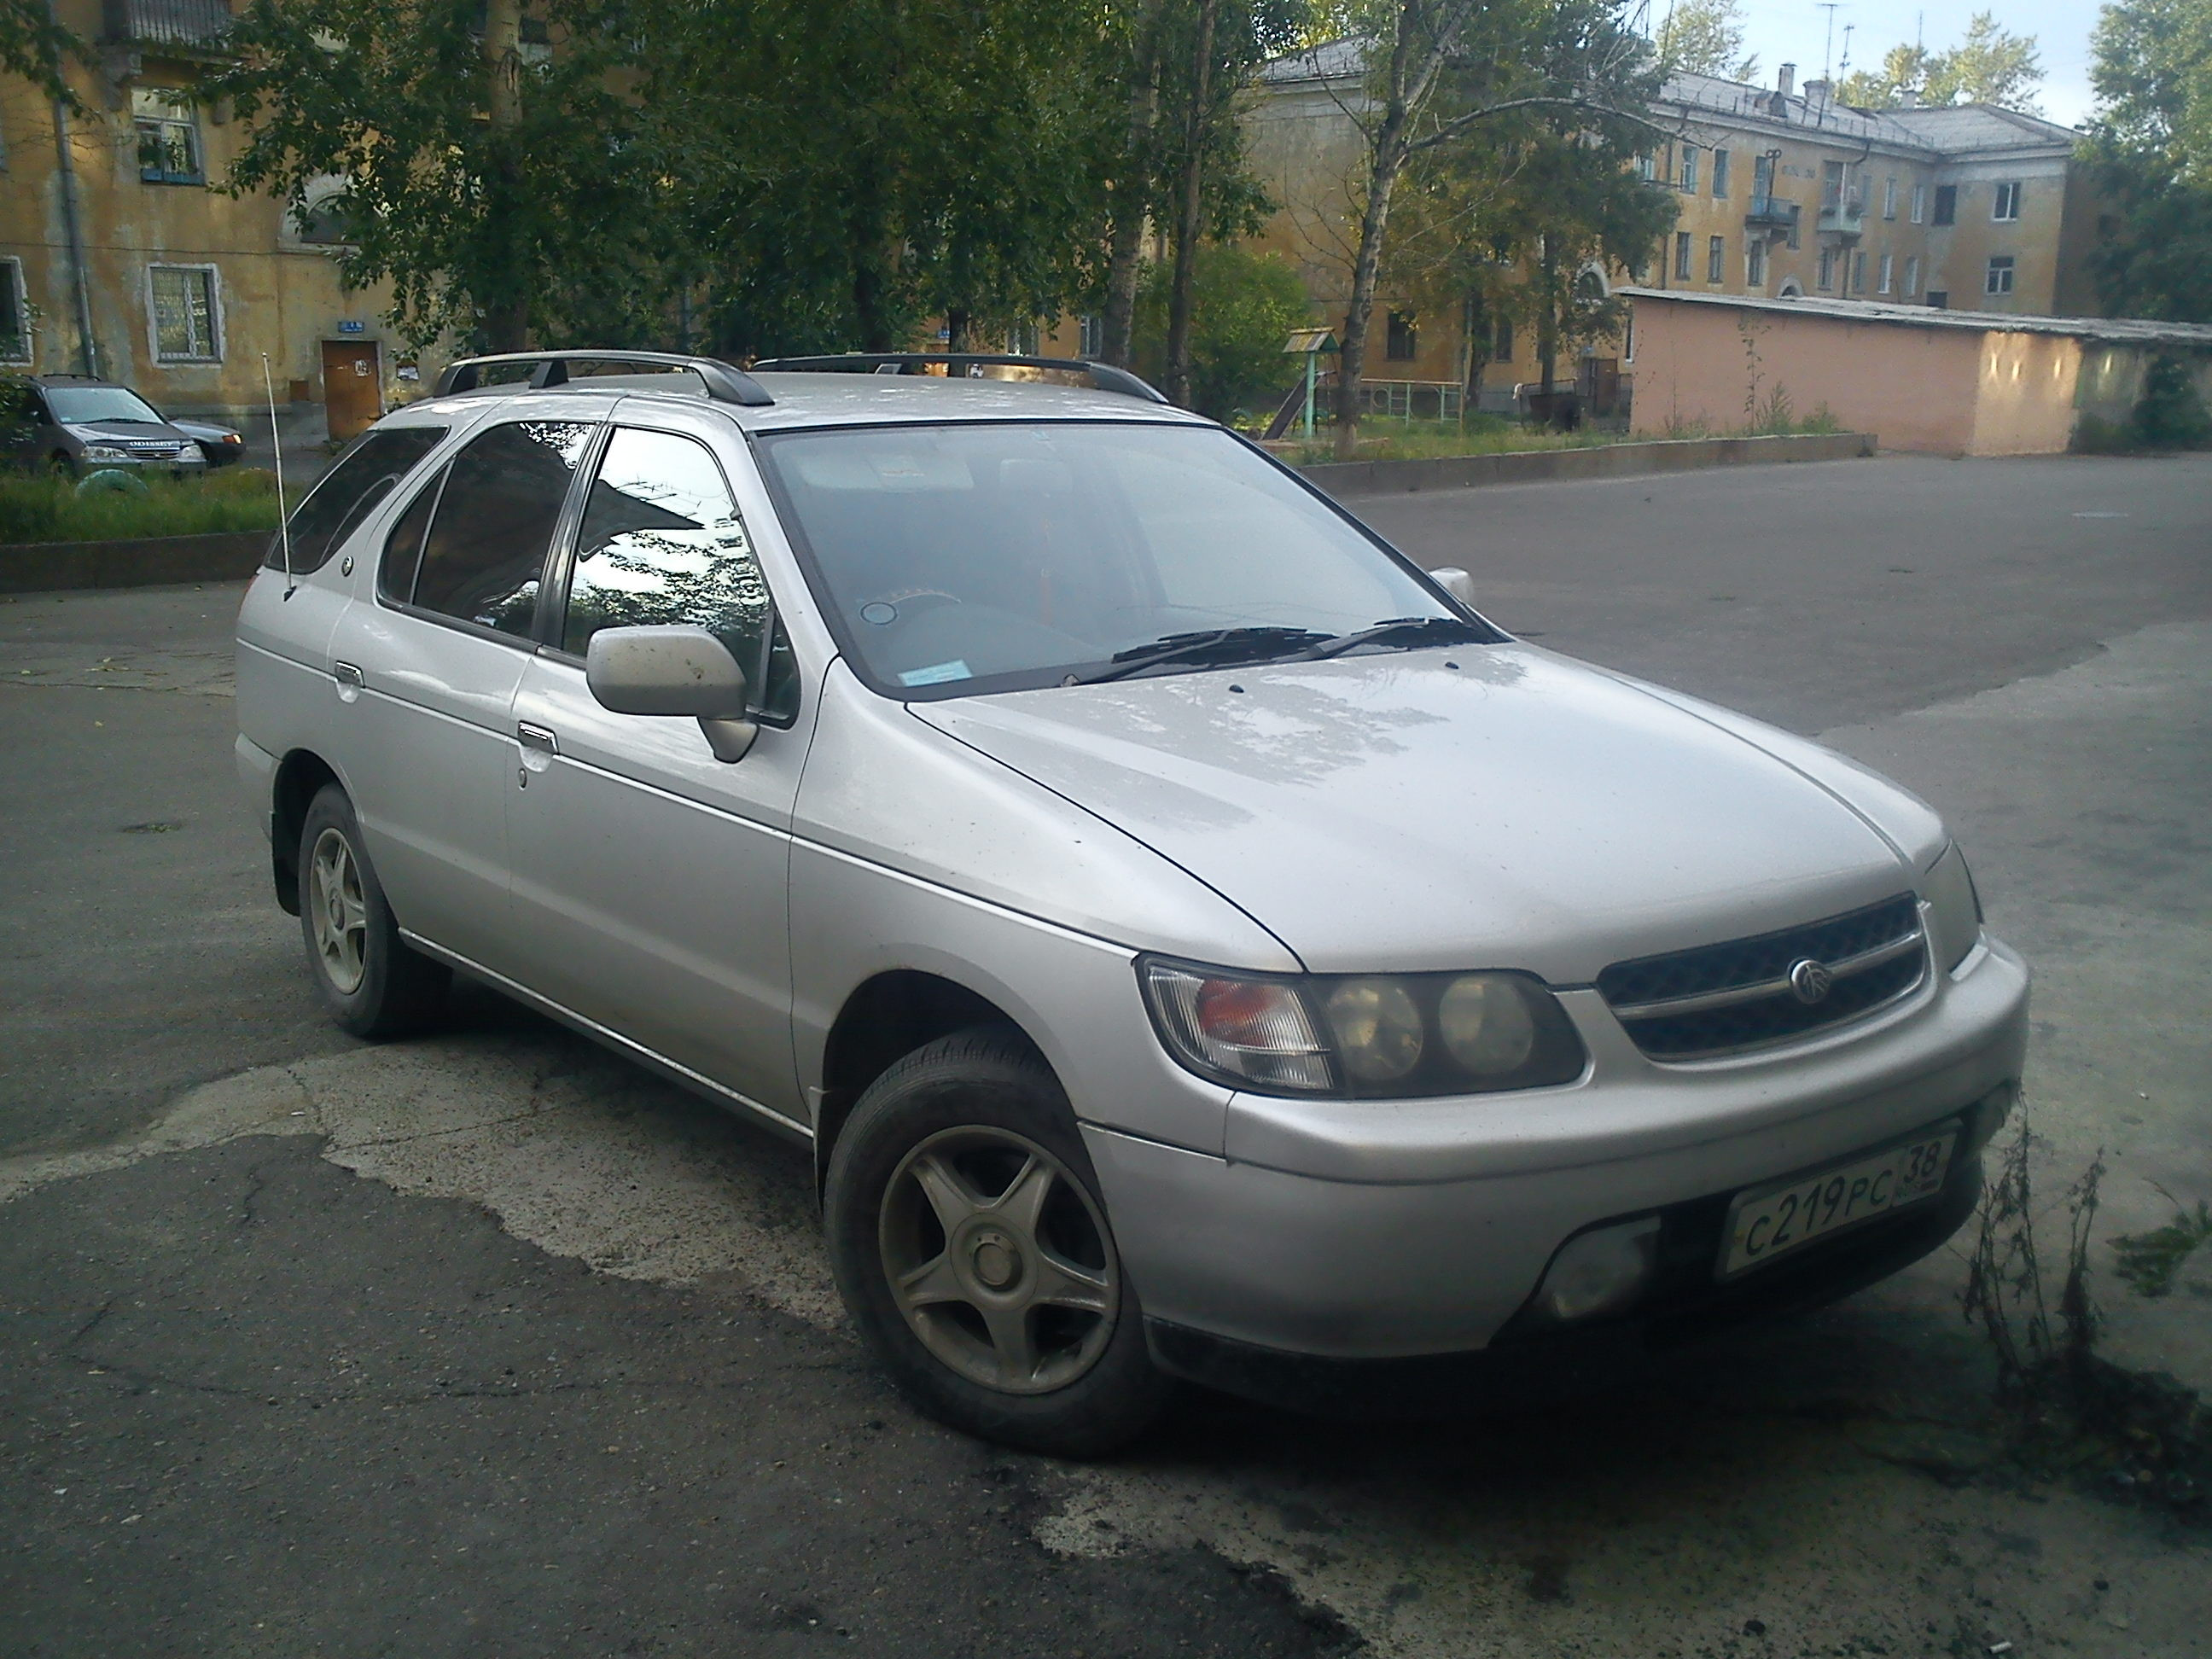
[967, 1234]
[373, 982]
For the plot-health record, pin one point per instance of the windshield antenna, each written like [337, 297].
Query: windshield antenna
[283, 519]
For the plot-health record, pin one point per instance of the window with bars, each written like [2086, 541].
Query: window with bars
[168, 135]
[187, 315]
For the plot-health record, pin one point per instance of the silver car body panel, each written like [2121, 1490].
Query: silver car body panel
[1461, 807]
[1380, 811]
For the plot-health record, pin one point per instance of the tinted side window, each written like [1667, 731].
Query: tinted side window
[403, 548]
[661, 543]
[485, 554]
[348, 491]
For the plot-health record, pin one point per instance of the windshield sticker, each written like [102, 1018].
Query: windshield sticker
[937, 674]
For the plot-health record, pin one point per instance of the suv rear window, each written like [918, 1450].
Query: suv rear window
[347, 492]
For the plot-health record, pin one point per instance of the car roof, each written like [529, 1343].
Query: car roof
[808, 400]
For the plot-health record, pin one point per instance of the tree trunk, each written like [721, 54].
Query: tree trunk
[956, 330]
[1191, 220]
[506, 308]
[1131, 195]
[1548, 324]
[1366, 269]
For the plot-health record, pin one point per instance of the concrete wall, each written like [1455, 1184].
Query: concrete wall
[2026, 404]
[1718, 368]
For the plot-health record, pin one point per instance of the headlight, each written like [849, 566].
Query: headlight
[105, 452]
[1954, 908]
[1371, 1035]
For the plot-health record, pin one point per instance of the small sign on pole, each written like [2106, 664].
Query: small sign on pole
[1310, 343]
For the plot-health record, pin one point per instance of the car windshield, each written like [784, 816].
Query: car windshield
[78, 404]
[984, 557]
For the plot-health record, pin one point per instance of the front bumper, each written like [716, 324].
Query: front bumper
[1362, 1232]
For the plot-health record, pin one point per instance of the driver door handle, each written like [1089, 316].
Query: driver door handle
[538, 738]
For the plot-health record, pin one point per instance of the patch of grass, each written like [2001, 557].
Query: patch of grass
[1384, 438]
[53, 509]
[2148, 1262]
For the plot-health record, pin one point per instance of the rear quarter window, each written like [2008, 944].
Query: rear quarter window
[348, 493]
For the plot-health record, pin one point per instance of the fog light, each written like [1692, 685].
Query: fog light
[1600, 1272]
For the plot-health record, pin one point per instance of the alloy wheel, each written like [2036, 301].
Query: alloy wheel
[999, 1260]
[338, 911]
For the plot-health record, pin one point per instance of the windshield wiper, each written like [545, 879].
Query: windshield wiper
[1399, 630]
[1210, 648]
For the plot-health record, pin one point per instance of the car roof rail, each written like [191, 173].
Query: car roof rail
[1105, 377]
[724, 383]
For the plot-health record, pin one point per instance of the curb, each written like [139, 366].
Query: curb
[1342, 478]
[150, 561]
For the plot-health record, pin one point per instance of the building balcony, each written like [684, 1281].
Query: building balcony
[1845, 218]
[193, 26]
[1770, 213]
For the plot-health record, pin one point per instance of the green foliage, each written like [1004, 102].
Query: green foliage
[36, 47]
[533, 220]
[2169, 415]
[1989, 65]
[1510, 219]
[53, 509]
[2149, 152]
[1244, 305]
[1705, 37]
[2148, 1262]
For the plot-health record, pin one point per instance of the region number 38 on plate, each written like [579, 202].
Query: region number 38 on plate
[1771, 1221]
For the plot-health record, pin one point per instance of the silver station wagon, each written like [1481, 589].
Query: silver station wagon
[1195, 942]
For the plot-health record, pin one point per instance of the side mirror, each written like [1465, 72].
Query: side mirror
[674, 671]
[1455, 582]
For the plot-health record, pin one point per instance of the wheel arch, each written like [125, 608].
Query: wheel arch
[300, 776]
[884, 1018]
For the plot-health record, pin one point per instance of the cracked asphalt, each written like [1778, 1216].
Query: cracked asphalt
[490, 1345]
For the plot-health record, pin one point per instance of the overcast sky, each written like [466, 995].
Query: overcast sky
[1795, 31]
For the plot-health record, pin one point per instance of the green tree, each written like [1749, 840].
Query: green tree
[491, 175]
[35, 45]
[2149, 150]
[1244, 305]
[1705, 37]
[1442, 70]
[1989, 65]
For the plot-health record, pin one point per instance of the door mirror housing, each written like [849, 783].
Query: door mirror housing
[674, 671]
[1455, 582]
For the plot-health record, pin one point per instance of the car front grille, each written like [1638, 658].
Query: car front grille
[1724, 999]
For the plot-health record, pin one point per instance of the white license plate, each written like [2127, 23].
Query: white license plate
[1771, 1221]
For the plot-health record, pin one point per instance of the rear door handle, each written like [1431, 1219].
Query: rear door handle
[536, 737]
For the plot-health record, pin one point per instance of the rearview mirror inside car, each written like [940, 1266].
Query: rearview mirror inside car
[674, 671]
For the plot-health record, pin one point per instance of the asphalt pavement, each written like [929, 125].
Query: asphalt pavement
[489, 1344]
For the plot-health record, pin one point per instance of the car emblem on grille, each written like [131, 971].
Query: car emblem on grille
[1809, 979]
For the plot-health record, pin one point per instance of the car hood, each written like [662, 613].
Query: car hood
[142, 432]
[1465, 807]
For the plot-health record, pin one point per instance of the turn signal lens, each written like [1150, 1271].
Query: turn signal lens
[1237, 1030]
[1377, 1028]
[1486, 1024]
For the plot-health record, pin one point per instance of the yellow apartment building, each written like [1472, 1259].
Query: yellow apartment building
[1780, 192]
[117, 257]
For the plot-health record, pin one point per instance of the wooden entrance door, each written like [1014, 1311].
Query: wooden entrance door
[353, 387]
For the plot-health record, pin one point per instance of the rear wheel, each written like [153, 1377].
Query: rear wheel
[967, 1236]
[374, 983]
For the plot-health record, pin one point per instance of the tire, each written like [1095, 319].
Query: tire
[374, 983]
[967, 1234]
